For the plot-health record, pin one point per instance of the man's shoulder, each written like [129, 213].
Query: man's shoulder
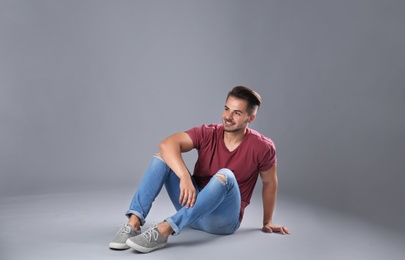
[259, 138]
[205, 131]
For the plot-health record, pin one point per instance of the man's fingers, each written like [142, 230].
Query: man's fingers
[286, 231]
[190, 200]
[276, 229]
[187, 199]
[267, 229]
[183, 198]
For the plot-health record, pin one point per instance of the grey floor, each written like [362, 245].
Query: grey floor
[80, 225]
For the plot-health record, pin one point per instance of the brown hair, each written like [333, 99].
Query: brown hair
[252, 97]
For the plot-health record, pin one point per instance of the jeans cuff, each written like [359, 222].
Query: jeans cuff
[175, 228]
[136, 213]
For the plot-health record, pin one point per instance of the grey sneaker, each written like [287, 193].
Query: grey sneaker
[126, 231]
[147, 241]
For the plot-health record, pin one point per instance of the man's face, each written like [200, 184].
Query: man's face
[235, 117]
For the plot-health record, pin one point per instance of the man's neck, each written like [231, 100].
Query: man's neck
[233, 139]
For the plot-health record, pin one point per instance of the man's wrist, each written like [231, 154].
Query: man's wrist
[267, 222]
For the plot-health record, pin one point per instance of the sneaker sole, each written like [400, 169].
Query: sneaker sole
[118, 246]
[143, 249]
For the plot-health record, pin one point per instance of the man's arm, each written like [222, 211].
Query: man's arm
[269, 195]
[170, 151]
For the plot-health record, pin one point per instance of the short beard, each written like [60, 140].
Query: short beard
[233, 131]
[239, 129]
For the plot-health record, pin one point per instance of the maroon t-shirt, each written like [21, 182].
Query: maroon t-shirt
[256, 153]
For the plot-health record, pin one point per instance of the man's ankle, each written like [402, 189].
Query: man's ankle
[164, 229]
[134, 222]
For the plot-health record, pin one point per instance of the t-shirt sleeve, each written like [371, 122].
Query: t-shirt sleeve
[193, 133]
[269, 157]
[198, 135]
[201, 135]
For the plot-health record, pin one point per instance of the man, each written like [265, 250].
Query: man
[231, 156]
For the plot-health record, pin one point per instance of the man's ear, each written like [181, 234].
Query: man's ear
[252, 118]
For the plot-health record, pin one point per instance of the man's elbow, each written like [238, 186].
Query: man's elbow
[162, 145]
[273, 183]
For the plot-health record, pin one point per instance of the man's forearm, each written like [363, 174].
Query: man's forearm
[269, 195]
[171, 154]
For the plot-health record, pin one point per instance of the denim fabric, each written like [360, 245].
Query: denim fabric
[216, 209]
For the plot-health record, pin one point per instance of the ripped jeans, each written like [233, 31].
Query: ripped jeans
[215, 211]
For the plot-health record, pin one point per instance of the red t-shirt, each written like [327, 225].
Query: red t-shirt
[256, 153]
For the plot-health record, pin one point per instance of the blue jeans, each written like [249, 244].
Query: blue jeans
[216, 209]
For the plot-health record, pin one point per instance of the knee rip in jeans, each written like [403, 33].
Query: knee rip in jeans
[222, 177]
[157, 155]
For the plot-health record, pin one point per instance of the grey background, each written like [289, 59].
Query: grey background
[88, 89]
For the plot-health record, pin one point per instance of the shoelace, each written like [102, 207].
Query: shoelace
[151, 233]
[123, 229]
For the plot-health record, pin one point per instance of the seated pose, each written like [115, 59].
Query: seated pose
[231, 156]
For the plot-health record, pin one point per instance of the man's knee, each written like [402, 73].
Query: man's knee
[224, 174]
[222, 177]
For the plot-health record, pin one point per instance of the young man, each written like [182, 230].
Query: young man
[231, 156]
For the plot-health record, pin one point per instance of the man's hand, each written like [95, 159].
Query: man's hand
[187, 193]
[270, 228]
